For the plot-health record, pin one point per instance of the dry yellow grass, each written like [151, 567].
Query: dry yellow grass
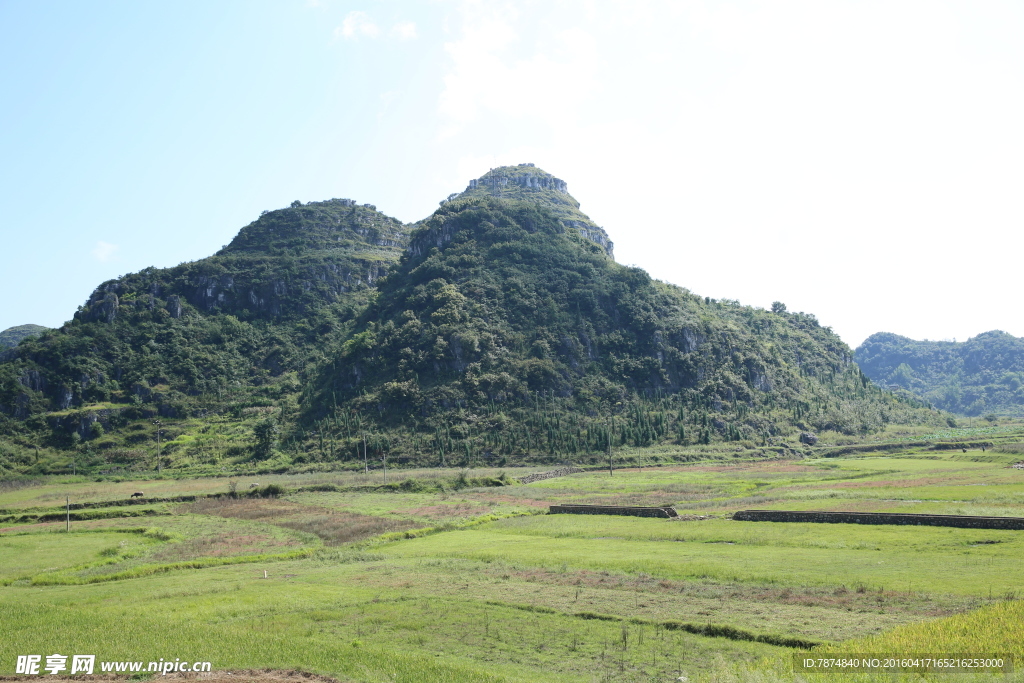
[334, 527]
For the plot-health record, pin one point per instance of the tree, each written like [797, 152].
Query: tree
[778, 307]
[265, 432]
[903, 375]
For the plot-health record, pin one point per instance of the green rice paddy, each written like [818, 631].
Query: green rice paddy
[362, 583]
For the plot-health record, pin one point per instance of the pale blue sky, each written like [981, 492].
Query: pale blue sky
[859, 160]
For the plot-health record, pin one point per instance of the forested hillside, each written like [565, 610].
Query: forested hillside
[498, 329]
[227, 331]
[504, 331]
[984, 374]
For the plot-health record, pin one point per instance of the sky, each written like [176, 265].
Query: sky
[862, 161]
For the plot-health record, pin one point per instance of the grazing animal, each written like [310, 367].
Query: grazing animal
[254, 486]
[138, 494]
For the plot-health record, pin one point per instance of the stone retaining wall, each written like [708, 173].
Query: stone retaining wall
[957, 445]
[963, 521]
[540, 476]
[665, 512]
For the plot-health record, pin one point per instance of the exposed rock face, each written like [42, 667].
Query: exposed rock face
[33, 379]
[226, 294]
[106, 310]
[594, 235]
[808, 438]
[526, 181]
[428, 239]
[329, 249]
[64, 397]
[174, 306]
[102, 305]
[540, 182]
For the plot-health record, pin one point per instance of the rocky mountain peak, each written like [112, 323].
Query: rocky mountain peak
[527, 182]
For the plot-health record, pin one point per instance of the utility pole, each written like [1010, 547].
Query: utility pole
[159, 448]
[68, 501]
[609, 442]
[385, 456]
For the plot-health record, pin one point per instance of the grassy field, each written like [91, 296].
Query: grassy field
[437, 581]
[23, 556]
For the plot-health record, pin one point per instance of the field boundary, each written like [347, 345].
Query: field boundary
[815, 517]
[393, 536]
[956, 445]
[79, 516]
[63, 579]
[839, 451]
[708, 629]
[631, 511]
[541, 476]
[124, 502]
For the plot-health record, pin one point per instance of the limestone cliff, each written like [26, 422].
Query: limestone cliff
[253, 311]
[530, 183]
[282, 265]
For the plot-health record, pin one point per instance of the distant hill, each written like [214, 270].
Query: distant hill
[10, 337]
[984, 374]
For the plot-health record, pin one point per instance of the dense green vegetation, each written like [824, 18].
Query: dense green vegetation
[498, 331]
[10, 337]
[211, 337]
[982, 375]
[502, 332]
[528, 183]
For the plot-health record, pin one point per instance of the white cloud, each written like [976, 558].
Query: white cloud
[405, 30]
[357, 24]
[104, 251]
[493, 70]
[387, 99]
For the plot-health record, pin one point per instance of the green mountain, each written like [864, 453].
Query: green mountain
[230, 328]
[507, 330]
[526, 182]
[498, 329]
[984, 374]
[10, 337]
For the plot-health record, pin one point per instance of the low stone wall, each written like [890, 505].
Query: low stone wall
[665, 512]
[957, 445]
[540, 476]
[963, 521]
[839, 451]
